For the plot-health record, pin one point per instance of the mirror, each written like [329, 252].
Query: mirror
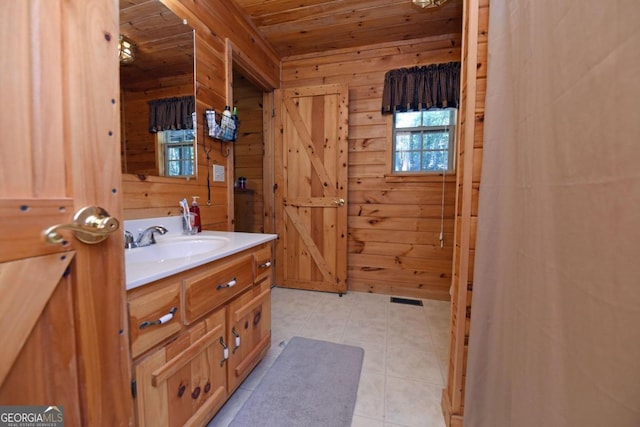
[163, 67]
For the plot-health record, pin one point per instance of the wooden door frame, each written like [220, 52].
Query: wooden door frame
[70, 85]
[338, 278]
[102, 331]
[235, 57]
[464, 232]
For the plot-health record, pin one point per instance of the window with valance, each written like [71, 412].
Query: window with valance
[171, 113]
[423, 101]
[172, 122]
[421, 88]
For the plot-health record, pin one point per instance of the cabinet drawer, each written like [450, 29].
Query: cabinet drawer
[210, 289]
[263, 261]
[153, 317]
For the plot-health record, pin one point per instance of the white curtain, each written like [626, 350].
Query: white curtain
[555, 335]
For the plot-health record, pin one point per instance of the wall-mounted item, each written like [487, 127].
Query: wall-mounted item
[428, 3]
[222, 126]
[126, 50]
[213, 128]
[228, 124]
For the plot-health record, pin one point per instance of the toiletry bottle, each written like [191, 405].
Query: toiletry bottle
[227, 124]
[234, 117]
[195, 209]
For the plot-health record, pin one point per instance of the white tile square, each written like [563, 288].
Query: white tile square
[370, 401]
[413, 403]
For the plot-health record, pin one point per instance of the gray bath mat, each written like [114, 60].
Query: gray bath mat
[311, 384]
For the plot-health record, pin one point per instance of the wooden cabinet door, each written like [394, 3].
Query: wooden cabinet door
[311, 187]
[184, 383]
[64, 339]
[250, 332]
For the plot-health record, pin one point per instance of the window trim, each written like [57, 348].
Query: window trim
[162, 153]
[422, 176]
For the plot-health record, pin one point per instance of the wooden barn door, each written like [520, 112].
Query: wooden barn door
[311, 187]
[63, 339]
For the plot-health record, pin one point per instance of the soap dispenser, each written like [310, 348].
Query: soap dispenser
[195, 209]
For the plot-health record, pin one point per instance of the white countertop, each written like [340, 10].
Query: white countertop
[141, 273]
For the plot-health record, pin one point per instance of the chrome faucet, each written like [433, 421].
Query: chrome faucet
[145, 238]
[128, 240]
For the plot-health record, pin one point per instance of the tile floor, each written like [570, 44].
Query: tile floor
[405, 347]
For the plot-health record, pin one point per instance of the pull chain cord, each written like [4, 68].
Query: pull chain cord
[442, 212]
[208, 184]
[206, 152]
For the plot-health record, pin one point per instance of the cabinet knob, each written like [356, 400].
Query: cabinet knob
[257, 318]
[266, 264]
[195, 393]
[181, 390]
[237, 339]
[162, 320]
[225, 351]
[231, 283]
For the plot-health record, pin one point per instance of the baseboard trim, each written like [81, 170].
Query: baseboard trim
[450, 419]
[397, 290]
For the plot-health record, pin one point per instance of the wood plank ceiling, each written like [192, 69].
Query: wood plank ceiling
[297, 27]
[164, 44]
[293, 27]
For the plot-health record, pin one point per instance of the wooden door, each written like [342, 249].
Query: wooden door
[311, 187]
[64, 340]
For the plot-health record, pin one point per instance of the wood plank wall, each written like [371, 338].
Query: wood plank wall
[393, 226]
[474, 78]
[214, 22]
[248, 156]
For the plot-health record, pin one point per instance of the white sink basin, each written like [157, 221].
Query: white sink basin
[182, 247]
[175, 252]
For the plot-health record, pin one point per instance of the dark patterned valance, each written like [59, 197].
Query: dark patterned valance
[171, 113]
[421, 88]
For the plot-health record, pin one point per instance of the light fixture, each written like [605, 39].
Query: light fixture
[126, 50]
[428, 3]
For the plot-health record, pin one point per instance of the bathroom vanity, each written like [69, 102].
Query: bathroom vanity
[199, 330]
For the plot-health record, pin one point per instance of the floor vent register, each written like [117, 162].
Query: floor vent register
[406, 301]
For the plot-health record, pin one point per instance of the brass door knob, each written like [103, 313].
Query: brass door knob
[91, 224]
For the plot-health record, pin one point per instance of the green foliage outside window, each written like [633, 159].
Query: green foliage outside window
[423, 141]
[178, 152]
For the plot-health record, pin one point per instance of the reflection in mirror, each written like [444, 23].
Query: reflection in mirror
[177, 152]
[162, 69]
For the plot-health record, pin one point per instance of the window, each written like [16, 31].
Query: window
[177, 152]
[423, 141]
